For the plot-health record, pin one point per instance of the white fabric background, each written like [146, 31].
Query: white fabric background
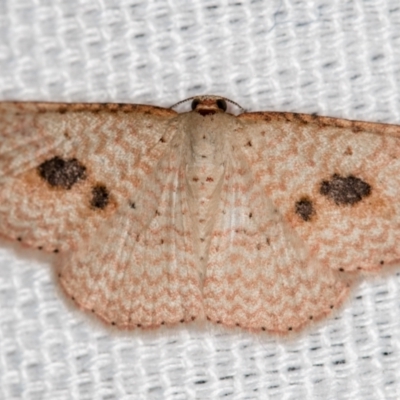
[334, 57]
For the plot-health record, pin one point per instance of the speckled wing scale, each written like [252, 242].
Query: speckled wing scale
[262, 220]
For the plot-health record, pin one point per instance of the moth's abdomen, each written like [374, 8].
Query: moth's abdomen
[204, 181]
[206, 160]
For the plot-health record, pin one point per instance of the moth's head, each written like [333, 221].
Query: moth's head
[210, 105]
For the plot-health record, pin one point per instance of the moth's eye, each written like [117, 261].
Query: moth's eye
[195, 103]
[221, 103]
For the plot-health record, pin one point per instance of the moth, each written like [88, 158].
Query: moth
[261, 220]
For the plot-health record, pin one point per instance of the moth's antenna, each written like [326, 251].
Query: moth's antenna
[182, 101]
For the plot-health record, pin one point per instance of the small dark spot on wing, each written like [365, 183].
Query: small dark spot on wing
[305, 209]
[267, 118]
[345, 190]
[62, 173]
[100, 197]
[356, 128]
[348, 151]
[300, 118]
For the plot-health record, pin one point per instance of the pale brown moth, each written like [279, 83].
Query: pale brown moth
[260, 220]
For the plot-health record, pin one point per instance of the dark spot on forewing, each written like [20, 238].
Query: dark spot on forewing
[345, 190]
[100, 197]
[62, 173]
[304, 208]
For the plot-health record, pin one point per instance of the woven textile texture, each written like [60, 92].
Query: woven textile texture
[335, 58]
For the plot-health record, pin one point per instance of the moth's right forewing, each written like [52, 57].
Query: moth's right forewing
[336, 182]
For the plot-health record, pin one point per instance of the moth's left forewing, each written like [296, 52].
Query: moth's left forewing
[65, 166]
[335, 181]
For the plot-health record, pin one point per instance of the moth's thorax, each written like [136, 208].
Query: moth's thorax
[206, 136]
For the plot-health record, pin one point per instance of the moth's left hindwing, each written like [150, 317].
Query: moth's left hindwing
[66, 167]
